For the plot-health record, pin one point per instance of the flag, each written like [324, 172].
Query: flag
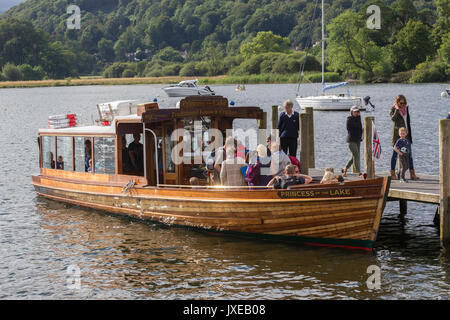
[376, 145]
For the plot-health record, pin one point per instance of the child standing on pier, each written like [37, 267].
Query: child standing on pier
[403, 149]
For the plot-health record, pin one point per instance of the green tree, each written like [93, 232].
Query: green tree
[265, 42]
[411, 46]
[106, 49]
[349, 46]
[11, 72]
[120, 50]
[168, 54]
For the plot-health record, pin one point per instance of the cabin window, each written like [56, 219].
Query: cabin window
[48, 149]
[169, 145]
[64, 155]
[196, 134]
[82, 155]
[104, 155]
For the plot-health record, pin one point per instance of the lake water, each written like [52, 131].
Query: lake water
[125, 259]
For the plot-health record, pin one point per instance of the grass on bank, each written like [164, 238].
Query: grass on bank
[245, 79]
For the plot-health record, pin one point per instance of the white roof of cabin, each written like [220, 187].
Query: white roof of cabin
[92, 129]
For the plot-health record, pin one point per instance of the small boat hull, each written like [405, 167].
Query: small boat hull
[330, 103]
[333, 215]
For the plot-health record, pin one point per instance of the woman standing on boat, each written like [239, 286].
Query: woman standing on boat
[354, 138]
[400, 117]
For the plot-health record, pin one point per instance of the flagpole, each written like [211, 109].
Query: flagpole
[368, 142]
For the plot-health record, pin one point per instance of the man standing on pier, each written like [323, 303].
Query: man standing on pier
[288, 126]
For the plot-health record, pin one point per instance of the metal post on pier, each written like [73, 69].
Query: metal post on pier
[304, 143]
[368, 161]
[310, 112]
[444, 183]
[262, 126]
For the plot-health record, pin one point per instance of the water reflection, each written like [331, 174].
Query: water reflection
[165, 263]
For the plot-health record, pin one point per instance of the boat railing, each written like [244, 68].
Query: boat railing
[211, 187]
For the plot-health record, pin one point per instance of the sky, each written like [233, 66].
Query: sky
[6, 4]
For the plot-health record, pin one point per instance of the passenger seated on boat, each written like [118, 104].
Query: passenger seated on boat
[60, 163]
[136, 153]
[230, 173]
[279, 160]
[268, 143]
[329, 177]
[264, 158]
[52, 161]
[194, 181]
[87, 154]
[230, 142]
[253, 172]
[126, 162]
[291, 177]
[89, 169]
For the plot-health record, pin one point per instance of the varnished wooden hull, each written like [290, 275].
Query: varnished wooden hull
[335, 215]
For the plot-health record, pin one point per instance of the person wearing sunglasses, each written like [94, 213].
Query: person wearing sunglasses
[400, 117]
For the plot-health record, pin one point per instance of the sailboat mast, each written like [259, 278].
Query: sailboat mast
[323, 48]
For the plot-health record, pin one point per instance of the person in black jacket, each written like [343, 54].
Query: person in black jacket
[288, 126]
[354, 138]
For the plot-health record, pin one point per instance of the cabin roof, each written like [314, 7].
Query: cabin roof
[92, 129]
[201, 106]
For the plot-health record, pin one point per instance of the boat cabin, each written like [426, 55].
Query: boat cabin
[141, 146]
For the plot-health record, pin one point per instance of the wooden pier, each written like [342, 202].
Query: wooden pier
[430, 189]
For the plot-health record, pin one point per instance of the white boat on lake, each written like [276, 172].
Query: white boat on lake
[336, 102]
[188, 88]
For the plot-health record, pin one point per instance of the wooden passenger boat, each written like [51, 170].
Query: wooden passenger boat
[346, 215]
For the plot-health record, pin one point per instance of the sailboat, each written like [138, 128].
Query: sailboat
[335, 102]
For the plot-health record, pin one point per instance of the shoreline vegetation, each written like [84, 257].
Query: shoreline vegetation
[203, 80]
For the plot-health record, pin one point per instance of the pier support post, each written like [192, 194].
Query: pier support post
[444, 168]
[262, 126]
[274, 117]
[368, 163]
[304, 143]
[403, 207]
[310, 112]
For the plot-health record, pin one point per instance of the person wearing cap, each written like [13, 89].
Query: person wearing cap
[354, 138]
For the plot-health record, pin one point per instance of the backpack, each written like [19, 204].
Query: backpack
[295, 161]
[253, 173]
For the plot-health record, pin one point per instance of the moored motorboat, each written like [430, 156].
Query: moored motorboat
[95, 176]
[188, 88]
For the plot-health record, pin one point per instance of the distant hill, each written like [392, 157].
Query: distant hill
[172, 37]
[182, 24]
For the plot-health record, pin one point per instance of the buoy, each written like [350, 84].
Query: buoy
[444, 94]
[231, 103]
[155, 100]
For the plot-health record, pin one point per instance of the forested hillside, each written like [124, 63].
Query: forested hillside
[209, 37]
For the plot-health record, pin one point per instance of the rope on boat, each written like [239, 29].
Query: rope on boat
[130, 185]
